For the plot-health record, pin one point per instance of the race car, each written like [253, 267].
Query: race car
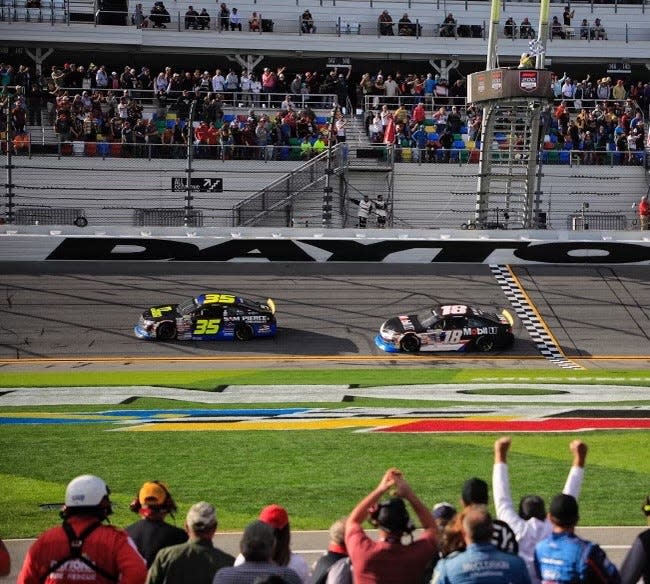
[449, 327]
[208, 317]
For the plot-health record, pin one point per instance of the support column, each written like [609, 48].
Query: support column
[443, 68]
[246, 62]
[38, 55]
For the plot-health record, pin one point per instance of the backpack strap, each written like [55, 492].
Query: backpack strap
[76, 543]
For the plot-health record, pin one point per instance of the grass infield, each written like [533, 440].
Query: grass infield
[317, 475]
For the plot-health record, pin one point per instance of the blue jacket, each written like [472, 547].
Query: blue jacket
[565, 558]
[481, 564]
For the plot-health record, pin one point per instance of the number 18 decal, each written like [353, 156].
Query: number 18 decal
[453, 337]
[454, 309]
[207, 327]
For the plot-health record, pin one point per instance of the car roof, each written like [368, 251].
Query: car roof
[217, 298]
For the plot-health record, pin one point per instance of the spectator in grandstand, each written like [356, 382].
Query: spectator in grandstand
[138, 16]
[235, 20]
[564, 557]
[307, 22]
[636, 564]
[530, 523]
[584, 29]
[557, 30]
[567, 15]
[254, 22]
[203, 20]
[159, 15]
[598, 30]
[526, 30]
[191, 20]
[385, 23]
[603, 89]
[197, 557]
[510, 28]
[257, 545]
[405, 27]
[470, 566]
[224, 17]
[644, 220]
[388, 556]
[108, 553]
[277, 518]
[449, 26]
[618, 91]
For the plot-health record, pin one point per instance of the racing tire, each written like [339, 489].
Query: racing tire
[410, 344]
[166, 331]
[484, 344]
[243, 332]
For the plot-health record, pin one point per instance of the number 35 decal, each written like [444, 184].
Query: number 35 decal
[207, 327]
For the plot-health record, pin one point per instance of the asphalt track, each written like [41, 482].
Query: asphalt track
[597, 316]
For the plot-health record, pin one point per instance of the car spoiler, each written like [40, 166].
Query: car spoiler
[506, 314]
[271, 305]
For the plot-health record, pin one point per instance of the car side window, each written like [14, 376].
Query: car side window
[212, 312]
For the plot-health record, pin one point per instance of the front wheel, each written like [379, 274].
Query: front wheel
[166, 331]
[243, 333]
[410, 344]
[484, 344]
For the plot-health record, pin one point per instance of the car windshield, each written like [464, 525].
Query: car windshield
[188, 306]
[428, 317]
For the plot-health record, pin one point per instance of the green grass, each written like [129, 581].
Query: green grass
[317, 475]
[213, 379]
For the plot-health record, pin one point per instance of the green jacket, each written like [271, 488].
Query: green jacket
[194, 562]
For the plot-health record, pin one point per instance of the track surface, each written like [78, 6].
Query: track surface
[63, 310]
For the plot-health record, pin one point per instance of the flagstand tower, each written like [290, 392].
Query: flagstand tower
[512, 101]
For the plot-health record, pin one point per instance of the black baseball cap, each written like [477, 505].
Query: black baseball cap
[564, 510]
[475, 491]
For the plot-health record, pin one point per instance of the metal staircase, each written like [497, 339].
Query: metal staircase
[508, 166]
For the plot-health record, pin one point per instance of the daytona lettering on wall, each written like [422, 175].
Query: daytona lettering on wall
[332, 250]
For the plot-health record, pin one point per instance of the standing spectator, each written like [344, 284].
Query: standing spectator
[138, 16]
[380, 210]
[563, 557]
[567, 15]
[619, 92]
[365, 208]
[256, 547]
[196, 561]
[307, 22]
[232, 84]
[385, 22]
[530, 523]
[644, 213]
[224, 17]
[82, 548]
[335, 551]
[636, 564]
[278, 519]
[218, 82]
[388, 560]
[481, 562]
[191, 20]
[151, 533]
[235, 20]
[203, 19]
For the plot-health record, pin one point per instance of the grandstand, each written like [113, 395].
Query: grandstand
[436, 191]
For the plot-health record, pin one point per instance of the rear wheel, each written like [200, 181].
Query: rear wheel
[166, 331]
[243, 332]
[484, 344]
[410, 344]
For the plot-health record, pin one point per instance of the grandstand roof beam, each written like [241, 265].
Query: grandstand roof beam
[246, 62]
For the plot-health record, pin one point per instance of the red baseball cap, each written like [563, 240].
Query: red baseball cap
[276, 516]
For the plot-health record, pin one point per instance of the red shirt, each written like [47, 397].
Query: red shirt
[381, 562]
[644, 207]
[109, 547]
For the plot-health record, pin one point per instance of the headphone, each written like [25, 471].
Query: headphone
[168, 505]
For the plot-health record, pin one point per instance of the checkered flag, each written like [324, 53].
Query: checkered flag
[535, 47]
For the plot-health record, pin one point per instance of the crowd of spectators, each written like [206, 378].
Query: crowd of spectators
[422, 113]
[524, 545]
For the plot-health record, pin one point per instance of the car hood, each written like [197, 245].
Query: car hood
[403, 324]
[162, 312]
